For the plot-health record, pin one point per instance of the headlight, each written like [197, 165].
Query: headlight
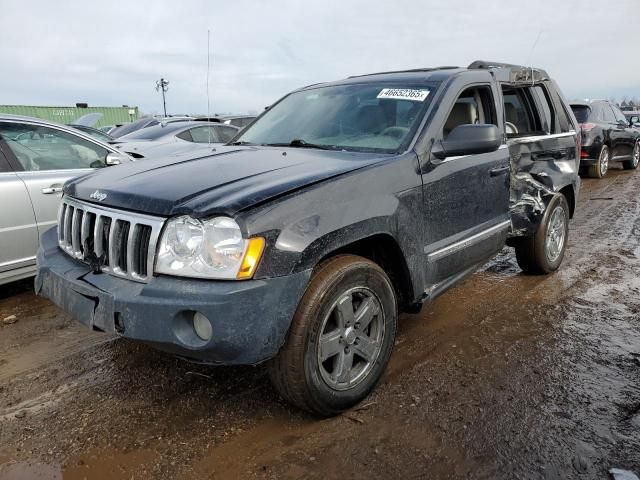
[207, 249]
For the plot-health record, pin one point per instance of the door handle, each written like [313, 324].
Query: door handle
[494, 172]
[50, 190]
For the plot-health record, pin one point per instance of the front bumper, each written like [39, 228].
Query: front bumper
[250, 319]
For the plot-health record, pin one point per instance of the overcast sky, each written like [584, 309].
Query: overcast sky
[112, 52]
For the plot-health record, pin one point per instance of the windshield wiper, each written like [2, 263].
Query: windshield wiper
[299, 143]
[241, 142]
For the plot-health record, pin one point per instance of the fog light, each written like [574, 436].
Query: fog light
[202, 326]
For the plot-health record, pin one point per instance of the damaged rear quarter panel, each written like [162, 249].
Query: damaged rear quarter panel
[540, 167]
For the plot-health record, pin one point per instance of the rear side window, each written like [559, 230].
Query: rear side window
[545, 110]
[607, 113]
[581, 112]
[204, 135]
[565, 124]
[186, 135]
[518, 113]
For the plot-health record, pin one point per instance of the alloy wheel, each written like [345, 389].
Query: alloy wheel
[556, 233]
[604, 161]
[351, 338]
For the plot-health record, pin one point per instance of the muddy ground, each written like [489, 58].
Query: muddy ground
[505, 376]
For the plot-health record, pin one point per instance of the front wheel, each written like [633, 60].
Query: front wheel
[635, 158]
[340, 339]
[543, 252]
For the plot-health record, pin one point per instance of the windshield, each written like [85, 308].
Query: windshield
[362, 117]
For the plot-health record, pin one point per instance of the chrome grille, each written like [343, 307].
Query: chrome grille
[123, 243]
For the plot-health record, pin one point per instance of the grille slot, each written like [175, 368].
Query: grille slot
[122, 243]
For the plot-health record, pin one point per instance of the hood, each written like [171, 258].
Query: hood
[226, 182]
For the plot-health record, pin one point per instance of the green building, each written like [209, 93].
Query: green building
[110, 115]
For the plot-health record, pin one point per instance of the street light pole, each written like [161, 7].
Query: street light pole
[163, 85]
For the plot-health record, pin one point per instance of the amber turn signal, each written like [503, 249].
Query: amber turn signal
[251, 258]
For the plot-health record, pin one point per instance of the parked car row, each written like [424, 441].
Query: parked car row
[239, 121]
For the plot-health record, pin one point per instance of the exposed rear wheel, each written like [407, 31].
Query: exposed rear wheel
[340, 339]
[635, 158]
[543, 252]
[600, 168]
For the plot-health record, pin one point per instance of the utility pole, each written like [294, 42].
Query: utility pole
[163, 85]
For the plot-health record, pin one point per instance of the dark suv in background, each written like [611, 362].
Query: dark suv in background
[607, 136]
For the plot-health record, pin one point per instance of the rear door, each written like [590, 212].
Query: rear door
[44, 158]
[626, 136]
[544, 137]
[466, 198]
[18, 229]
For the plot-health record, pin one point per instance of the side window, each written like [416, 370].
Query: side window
[620, 118]
[545, 110]
[225, 133]
[204, 135]
[474, 105]
[186, 136]
[520, 119]
[43, 148]
[607, 113]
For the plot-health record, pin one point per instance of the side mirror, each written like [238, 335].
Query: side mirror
[113, 159]
[469, 139]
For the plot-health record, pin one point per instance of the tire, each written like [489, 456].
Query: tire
[536, 255]
[635, 158]
[301, 374]
[600, 168]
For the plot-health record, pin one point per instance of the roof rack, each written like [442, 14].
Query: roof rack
[517, 73]
[412, 70]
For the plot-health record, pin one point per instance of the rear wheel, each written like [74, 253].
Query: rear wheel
[600, 168]
[635, 158]
[543, 252]
[340, 339]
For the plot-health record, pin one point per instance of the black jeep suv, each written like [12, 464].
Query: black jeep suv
[607, 136]
[299, 243]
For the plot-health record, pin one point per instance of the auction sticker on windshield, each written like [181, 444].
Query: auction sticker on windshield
[404, 94]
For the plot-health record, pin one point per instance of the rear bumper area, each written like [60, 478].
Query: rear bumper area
[249, 319]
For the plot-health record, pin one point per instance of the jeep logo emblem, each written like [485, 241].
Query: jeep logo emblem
[98, 195]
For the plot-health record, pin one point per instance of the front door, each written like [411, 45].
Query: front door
[466, 198]
[45, 158]
[18, 229]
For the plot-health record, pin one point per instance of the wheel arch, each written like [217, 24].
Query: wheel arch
[379, 247]
[570, 195]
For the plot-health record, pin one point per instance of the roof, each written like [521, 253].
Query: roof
[505, 72]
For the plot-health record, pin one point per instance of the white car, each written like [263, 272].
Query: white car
[36, 158]
[174, 138]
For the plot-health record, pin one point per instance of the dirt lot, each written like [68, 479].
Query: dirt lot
[505, 376]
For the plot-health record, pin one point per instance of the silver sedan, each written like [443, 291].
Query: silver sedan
[174, 138]
[36, 158]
